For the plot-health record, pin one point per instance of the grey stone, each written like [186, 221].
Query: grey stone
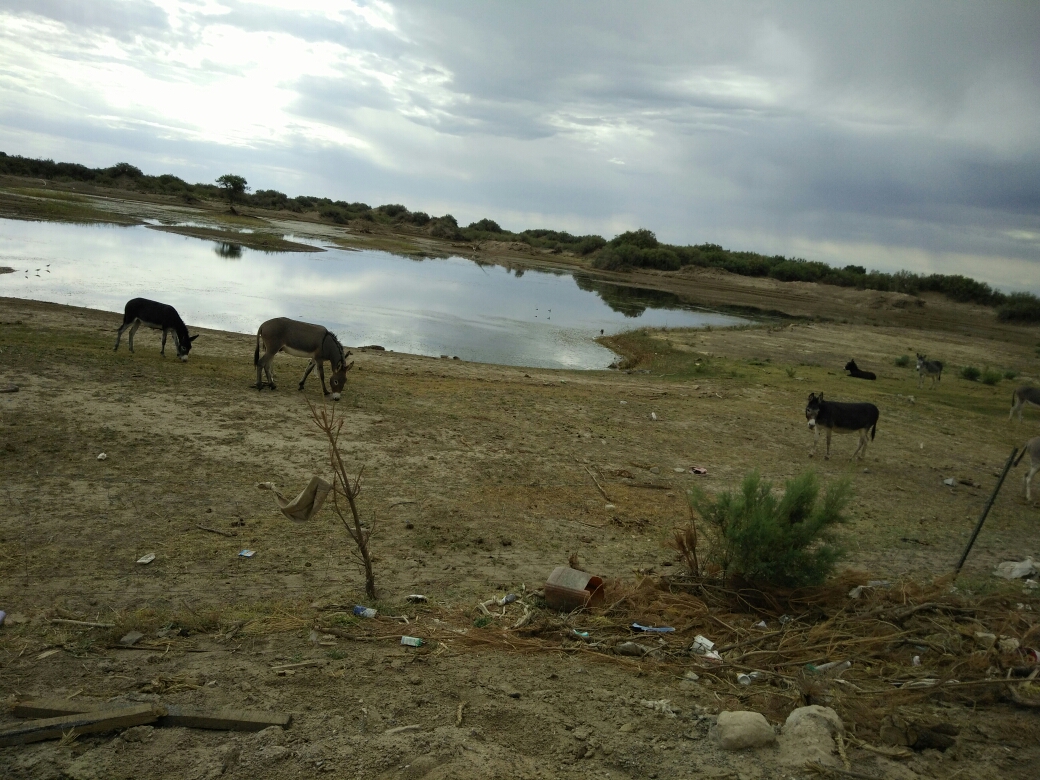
[741, 730]
[138, 734]
[272, 753]
[272, 735]
[808, 736]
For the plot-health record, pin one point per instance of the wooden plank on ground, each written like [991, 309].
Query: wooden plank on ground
[55, 708]
[229, 719]
[81, 723]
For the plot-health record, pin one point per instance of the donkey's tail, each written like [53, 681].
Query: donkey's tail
[873, 430]
[256, 353]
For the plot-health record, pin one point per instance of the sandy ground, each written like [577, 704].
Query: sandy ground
[478, 480]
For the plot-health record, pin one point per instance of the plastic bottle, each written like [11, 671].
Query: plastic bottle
[361, 611]
[411, 641]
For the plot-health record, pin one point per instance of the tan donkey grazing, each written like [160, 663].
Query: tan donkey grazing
[302, 340]
[1033, 448]
[1022, 396]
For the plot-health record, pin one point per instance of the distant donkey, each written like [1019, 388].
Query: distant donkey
[158, 316]
[837, 417]
[1022, 396]
[932, 368]
[857, 373]
[303, 340]
[1033, 448]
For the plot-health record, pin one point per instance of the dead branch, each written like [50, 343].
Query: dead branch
[349, 489]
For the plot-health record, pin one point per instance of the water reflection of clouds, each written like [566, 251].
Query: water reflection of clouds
[445, 306]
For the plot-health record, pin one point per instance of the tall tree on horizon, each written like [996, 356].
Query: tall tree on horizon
[234, 186]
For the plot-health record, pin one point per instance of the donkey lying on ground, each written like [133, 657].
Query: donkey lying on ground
[1033, 448]
[1022, 396]
[836, 417]
[854, 371]
[932, 368]
[303, 340]
[159, 316]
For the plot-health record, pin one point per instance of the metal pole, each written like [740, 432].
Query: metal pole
[982, 518]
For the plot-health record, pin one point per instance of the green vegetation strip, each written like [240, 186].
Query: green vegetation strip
[265, 242]
[51, 207]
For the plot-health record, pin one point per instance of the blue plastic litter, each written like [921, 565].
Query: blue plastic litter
[653, 629]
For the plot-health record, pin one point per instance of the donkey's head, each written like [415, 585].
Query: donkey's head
[338, 380]
[184, 347]
[851, 365]
[812, 408]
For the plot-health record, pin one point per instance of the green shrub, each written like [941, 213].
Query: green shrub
[487, 225]
[1019, 307]
[991, 377]
[971, 373]
[903, 361]
[1010, 374]
[642, 238]
[768, 540]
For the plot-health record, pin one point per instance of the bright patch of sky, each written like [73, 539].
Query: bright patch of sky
[870, 133]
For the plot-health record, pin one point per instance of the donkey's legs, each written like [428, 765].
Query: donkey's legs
[861, 450]
[263, 366]
[130, 335]
[321, 373]
[163, 350]
[119, 334]
[1029, 478]
[267, 360]
[307, 373]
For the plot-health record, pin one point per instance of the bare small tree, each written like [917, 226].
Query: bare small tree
[343, 486]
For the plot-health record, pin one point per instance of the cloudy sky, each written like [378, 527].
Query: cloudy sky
[887, 134]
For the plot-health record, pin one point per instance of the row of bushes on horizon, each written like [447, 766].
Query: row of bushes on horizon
[632, 249]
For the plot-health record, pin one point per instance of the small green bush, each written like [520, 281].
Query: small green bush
[991, 377]
[768, 540]
[1010, 374]
[971, 373]
[790, 372]
[903, 361]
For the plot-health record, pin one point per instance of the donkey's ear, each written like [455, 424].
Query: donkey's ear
[192, 338]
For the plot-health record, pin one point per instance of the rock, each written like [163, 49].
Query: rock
[138, 734]
[742, 730]
[985, 639]
[272, 735]
[808, 736]
[272, 754]
[131, 638]
[817, 714]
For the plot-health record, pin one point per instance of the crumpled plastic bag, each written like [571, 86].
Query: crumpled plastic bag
[304, 506]
[1013, 570]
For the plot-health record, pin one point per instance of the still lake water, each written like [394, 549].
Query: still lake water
[433, 307]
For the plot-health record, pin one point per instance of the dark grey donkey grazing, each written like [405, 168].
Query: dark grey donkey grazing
[857, 373]
[1022, 396]
[159, 316]
[303, 340]
[1033, 448]
[932, 368]
[837, 417]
